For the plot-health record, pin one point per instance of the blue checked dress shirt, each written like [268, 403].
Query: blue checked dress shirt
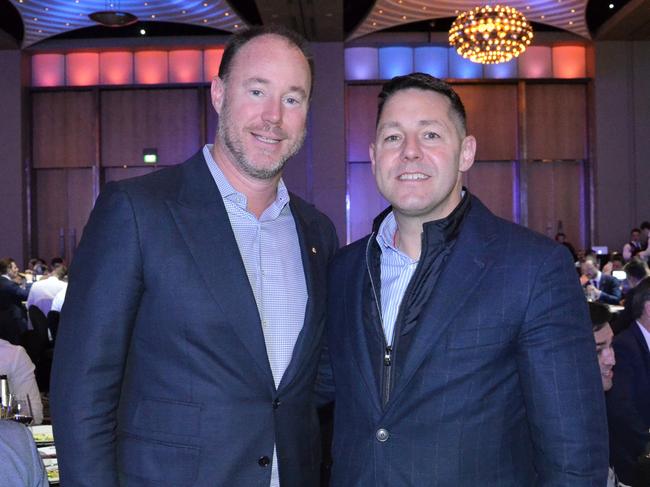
[271, 253]
[397, 269]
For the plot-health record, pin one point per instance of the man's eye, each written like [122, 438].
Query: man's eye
[392, 138]
[256, 92]
[431, 135]
[292, 101]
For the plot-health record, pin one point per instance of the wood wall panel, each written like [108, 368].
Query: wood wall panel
[556, 121]
[493, 184]
[365, 201]
[63, 201]
[132, 120]
[360, 124]
[64, 129]
[554, 195]
[492, 119]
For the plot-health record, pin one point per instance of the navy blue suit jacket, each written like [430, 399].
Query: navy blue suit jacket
[500, 386]
[13, 320]
[161, 375]
[610, 289]
[628, 403]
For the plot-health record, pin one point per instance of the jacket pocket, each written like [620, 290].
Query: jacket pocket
[156, 461]
[167, 416]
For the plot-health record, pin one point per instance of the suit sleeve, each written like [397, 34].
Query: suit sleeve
[92, 342]
[560, 379]
[611, 294]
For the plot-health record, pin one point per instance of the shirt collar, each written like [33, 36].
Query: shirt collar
[386, 237]
[6, 276]
[228, 192]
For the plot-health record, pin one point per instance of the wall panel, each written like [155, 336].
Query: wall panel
[492, 118]
[554, 196]
[361, 114]
[493, 184]
[64, 126]
[556, 120]
[132, 120]
[63, 201]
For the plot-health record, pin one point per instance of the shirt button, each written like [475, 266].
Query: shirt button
[276, 403]
[382, 434]
[264, 461]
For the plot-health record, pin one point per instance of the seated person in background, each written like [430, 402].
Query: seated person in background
[38, 266]
[615, 263]
[603, 336]
[19, 369]
[20, 463]
[636, 270]
[634, 246]
[628, 402]
[604, 288]
[13, 319]
[42, 292]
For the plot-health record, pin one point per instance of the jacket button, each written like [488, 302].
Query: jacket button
[276, 403]
[264, 461]
[382, 434]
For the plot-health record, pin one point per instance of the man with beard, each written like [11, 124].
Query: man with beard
[209, 382]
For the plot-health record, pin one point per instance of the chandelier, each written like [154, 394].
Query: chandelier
[490, 34]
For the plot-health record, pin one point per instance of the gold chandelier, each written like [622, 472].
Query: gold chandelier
[490, 34]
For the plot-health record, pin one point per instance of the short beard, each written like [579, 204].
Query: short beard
[236, 148]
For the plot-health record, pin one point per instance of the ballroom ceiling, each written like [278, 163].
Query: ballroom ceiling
[29, 22]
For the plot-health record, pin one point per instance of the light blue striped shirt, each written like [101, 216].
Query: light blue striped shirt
[271, 253]
[397, 269]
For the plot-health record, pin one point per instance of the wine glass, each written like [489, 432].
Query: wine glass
[21, 408]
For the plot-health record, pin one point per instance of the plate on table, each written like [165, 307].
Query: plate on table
[47, 451]
[42, 434]
[52, 469]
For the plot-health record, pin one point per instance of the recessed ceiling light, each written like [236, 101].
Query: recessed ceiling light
[67, 24]
[142, 32]
[153, 16]
[46, 9]
[374, 24]
[226, 14]
[205, 21]
[35, 19]
[381, 11]
[543, 17]
[236, 26]
[611, 5]
[527, 7]
[403, 17]
[570, 22]
[424, 7]
[573, 10]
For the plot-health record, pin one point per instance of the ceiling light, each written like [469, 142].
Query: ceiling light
[142, 32]
[113, 18]
[611, 5]
[490, 34]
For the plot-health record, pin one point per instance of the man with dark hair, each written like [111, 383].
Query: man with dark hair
[13, 320]
[628, 402]
[603, 336]
[635, 271]
[634, 246]
[602, 287]
[459, 342]
[208, 383]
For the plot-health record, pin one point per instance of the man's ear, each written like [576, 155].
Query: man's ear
[467, 153]
[371, 153]
[217, 93]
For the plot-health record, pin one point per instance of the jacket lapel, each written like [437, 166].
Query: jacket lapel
[308, 237]
[202, 220]
[354, 293]
[467, 264]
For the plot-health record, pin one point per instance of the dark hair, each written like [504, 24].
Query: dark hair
[641, 295]
[636, 268]
[426, 82]
[600, 316]
[56, 261]
[638, 230]
[616, 256]
[645, 225]
[5, 264]
[239, 40]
